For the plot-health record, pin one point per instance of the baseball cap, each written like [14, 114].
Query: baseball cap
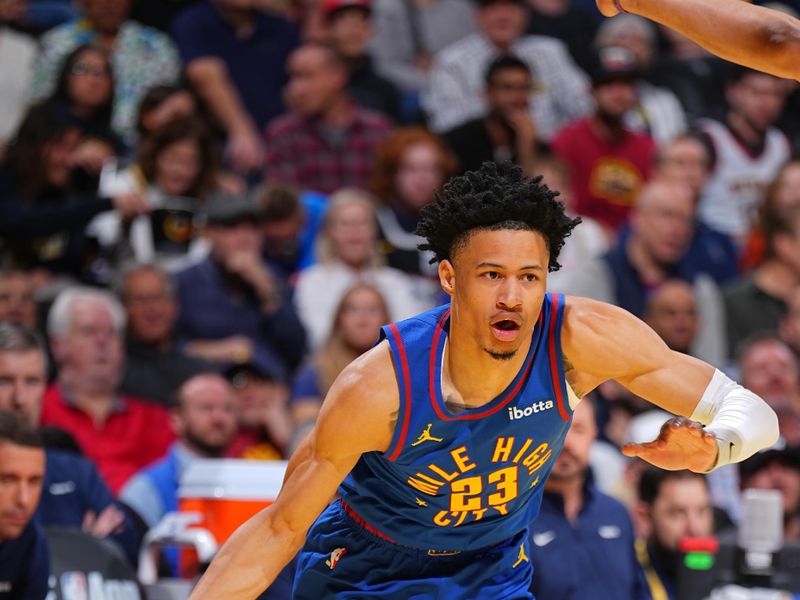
[613, 63]
[228, 209]
[329, 7]
[260, 364]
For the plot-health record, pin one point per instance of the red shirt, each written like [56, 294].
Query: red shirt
[134, 435]
[606, 178]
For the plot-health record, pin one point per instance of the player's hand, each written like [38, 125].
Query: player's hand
[607, 8]
[681, 444]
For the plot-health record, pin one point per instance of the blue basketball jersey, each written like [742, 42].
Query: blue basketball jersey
[463, 481]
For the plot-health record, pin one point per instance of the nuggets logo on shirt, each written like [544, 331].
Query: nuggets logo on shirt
[472, 496]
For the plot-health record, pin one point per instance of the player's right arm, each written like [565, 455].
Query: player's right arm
[760, 38]
[357, 416]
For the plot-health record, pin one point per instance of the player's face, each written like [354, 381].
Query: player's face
[22, 383]
[21, 475]
[682, 509]
[497, 282]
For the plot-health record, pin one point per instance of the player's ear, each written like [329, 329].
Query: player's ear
[447, 276]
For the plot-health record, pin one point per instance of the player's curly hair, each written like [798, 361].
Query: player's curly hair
[496, 196]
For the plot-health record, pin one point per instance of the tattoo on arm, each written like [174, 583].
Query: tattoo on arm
[393, 420]
[571, 375]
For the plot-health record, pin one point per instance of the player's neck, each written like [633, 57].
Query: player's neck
[471, 375]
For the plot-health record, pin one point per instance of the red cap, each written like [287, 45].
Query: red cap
[331, 6]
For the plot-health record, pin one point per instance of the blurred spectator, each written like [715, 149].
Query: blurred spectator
[585, 242]
[17, 55]
[17, 303]
[759, 301]
[348, 254]
[685, 161]
[672, 505]
[768, 367]
[789, 328]
[73, 493]
[609, 162]
[161, 105]
[119, 433]
[355, 329]
[567, 21]
[671, 310]
[506, 131]
[290, 224]
[326, 142]
[235, 55]
[204, 420]
[24, 555]
[410, 166]
[42, 219]
[648, 255]
[777, 469]
[782, 193]
[231, 305]
[409, 34]
[658, 112]
[84, 90]
[265, 426]
[177, 170]
[141, 57]
[747, 151]
[458, 73]
[579, 527]
[154, 367]
[348, 27]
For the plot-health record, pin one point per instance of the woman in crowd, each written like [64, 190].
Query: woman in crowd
[348, 254]
[42, 217]
[356, 326]
[410, 165]
[84, 93]
[783, 192]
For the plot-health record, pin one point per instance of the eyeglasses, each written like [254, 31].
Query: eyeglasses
[81, 68]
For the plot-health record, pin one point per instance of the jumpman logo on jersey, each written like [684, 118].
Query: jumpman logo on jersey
[421, 502]
[522, 556]
[426, 436]
[535, 481]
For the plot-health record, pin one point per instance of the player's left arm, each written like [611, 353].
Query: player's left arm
[602, 342]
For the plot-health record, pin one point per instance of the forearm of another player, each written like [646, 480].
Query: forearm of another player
[759, 38]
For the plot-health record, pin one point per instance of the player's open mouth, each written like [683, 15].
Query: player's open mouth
[505, 329]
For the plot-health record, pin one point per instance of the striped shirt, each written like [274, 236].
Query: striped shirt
[455, 91]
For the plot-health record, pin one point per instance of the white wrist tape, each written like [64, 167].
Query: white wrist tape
[742, 422]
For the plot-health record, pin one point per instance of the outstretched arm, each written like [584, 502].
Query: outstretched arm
[603, 342]
[756, 37]
[356, 417]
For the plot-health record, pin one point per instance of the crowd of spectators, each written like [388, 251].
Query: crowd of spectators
[208, 209]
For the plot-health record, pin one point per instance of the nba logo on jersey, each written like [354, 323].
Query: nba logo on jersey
[336, 556]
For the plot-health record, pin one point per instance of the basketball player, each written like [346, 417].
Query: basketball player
[760, 38]
[438, 441]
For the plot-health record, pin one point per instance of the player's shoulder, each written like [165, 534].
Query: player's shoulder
[587, 312]
[368, 380]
